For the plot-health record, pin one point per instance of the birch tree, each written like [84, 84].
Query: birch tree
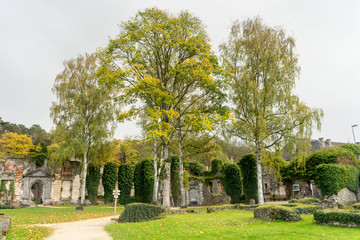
[157, 59]
[262, 66]
[83, 114]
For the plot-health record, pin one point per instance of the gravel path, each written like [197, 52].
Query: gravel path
[91, 229]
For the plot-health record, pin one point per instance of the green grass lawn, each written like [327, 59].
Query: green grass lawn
[228, 224]
[22, 217]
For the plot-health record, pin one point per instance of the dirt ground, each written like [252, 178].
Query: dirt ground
[91, 229]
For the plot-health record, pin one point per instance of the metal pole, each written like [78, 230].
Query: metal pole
[352, 127]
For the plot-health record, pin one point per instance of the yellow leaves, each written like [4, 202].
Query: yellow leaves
[18, 145]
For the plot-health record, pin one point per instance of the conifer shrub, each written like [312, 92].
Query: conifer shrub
[92, 183]
[125, 178]
[139, 212]
[109, 179]
[175, 180]
[247, 166]
[331, 178]
[232, 182]
[144, 180]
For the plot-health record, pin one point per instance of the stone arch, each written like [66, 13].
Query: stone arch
[40, 180]
[37, 191]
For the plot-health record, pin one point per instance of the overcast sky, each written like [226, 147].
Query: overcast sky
[36, 36]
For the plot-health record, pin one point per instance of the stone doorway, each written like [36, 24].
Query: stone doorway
[37, 192]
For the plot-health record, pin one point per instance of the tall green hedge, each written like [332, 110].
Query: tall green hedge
[247, 165]
[109, 179]
[232, 182]
[175, 180]
[125, 178]
[144, 180]
[92, 183]
[331, 178]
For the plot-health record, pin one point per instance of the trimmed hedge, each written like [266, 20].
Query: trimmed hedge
[306, 201]
[232, 182]
[303, 208]
[144, 180]
[337, 218]
[92, 183]
[247, 165]
[109, 179]
[331, 178]
[274, 212]
[175, 180]
[139, 212]
[125, 177]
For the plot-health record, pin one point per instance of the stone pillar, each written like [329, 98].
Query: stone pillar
[18, 182]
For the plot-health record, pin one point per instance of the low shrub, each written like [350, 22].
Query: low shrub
[139, 212]
[274, 212]
[309, 200]
[179, 211]
[356, 205]
[215, 209]
[337, 218]
[7, 206]
[306, 209]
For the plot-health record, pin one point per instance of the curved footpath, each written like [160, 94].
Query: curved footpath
[91, 229]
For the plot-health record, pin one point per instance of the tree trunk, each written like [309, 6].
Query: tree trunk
[166, 197]
[181, 163]
[259, 173]
[156, 177]
[83, 178]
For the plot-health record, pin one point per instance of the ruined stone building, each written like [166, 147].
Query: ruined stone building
[22, 183]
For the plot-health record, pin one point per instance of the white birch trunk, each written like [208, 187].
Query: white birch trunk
[259, 174]
[156, 177]
[181, 163]
[166, 197]
[83, 179]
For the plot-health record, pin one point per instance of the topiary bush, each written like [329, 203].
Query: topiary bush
[247, 166]
[92, 183]
[109, 179]
[331, 178]
[144, 180]
[175, 180]
[275, 212]
[232, 182]
[337, 218]
[139, 212]
[125, 178]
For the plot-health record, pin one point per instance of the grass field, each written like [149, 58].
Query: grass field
[228, 224]
[22, 217]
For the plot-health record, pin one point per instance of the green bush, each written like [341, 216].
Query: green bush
[337, 217]
[216, 166]
[125, 177]
[144, 180]
[292, 171]
[275, 212]
[109, 179]
[331, 178]
[92, 183]
[327, 156]
[232, 182]
[303, 208]
[247, 165]
[356, 205]
[195, 168]
[175, 180]
[139, 212]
